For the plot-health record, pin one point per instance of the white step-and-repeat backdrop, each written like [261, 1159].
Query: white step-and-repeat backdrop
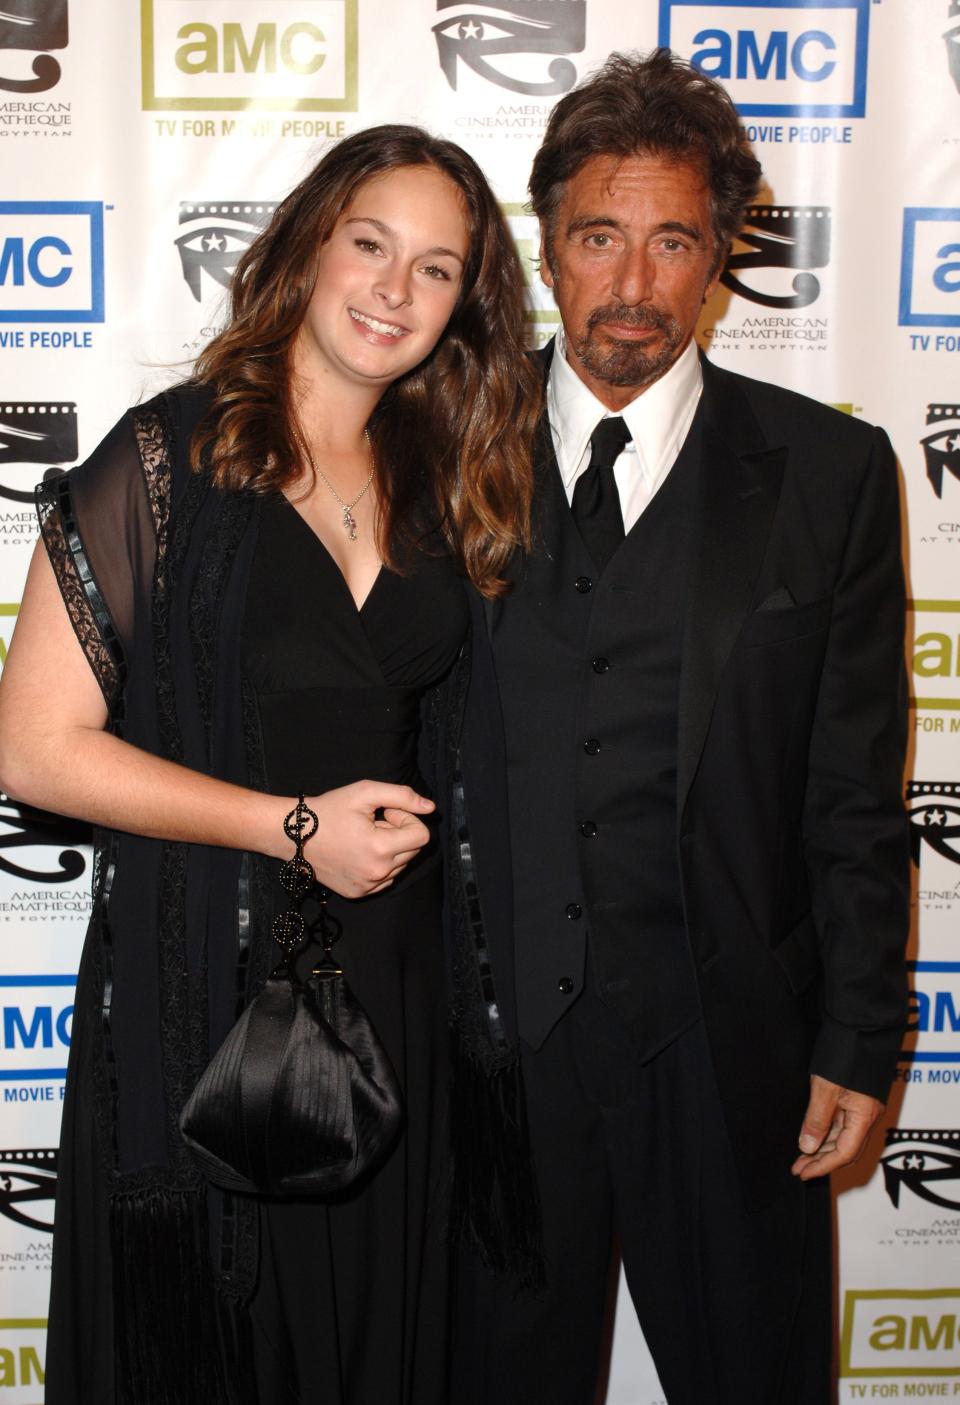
[143, 146]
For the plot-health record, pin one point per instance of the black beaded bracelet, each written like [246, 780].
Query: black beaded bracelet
[297, 876]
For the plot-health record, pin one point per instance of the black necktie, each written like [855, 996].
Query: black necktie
[596, 502]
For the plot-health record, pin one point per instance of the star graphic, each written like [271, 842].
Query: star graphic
[936, 817]
[915, 1162]
[953, 444]
[471, 30]
[213, 242]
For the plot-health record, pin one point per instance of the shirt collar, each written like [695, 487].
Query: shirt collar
[658, 418]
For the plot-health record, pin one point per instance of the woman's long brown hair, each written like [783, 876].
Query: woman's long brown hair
[453, 437]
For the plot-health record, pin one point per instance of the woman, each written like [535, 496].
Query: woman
[259, 569]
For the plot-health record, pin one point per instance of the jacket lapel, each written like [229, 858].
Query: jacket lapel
[739, 486]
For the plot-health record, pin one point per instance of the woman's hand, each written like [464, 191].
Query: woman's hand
[367, 832]
[366, 835]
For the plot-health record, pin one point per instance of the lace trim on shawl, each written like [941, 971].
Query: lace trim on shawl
[179, 1018]
[213, 572]
[182, 1024]
[170, 552]
[183, 1005]
[184, 1014]
[153, 435]
[85, 604]
[152, 432]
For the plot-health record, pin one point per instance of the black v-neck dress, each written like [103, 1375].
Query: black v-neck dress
[352, 1299]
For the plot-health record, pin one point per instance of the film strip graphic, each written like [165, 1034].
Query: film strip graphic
[33, 25]
[952, 40]
[925, 1162]
[34, 432]
[942, 448]
[934, 810]
[219, 232]
[29, 837]
[481, 33]
[782, 237]
[28, 1184]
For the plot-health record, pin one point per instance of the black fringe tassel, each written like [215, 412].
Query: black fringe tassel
[166, 1337]
[495, 1208]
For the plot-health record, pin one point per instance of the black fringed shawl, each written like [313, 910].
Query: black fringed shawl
[495, 1205]
[153, 564]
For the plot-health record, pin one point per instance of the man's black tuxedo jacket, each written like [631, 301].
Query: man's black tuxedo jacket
[792, 838]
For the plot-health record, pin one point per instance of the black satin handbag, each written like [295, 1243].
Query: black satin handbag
[300, 1098]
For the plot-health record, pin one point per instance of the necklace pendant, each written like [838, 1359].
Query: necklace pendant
[349, 524]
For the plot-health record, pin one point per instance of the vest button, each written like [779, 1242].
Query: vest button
[601, 665]
[574, 911]
[583, 584]
[591, 746]
[589, 829]
[565, 985]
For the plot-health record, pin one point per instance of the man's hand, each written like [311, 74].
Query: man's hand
[835, 1128]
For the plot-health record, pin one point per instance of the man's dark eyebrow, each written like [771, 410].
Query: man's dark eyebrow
[577, 226]
[438, 251]
[585, 222]
[692, 231]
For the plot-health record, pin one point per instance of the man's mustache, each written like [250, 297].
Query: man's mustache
[648, 317]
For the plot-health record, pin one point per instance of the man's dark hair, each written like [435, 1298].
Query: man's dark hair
[653, 106]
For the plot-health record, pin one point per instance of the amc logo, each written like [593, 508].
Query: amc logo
[266, 54]
[930, 268]
[9, 609]
[23, 1350]
[36, 1018]
[901, 1332]
[542, 316]
[777, 58]
[933, 1026]
[51, 261]
[935, 656]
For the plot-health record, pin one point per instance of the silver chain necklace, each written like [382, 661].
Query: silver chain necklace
[349, 521]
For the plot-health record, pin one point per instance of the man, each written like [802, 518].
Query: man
[695, 693]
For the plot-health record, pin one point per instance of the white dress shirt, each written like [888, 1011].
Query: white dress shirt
[659, 419]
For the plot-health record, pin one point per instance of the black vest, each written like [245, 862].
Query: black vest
[589, 670]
